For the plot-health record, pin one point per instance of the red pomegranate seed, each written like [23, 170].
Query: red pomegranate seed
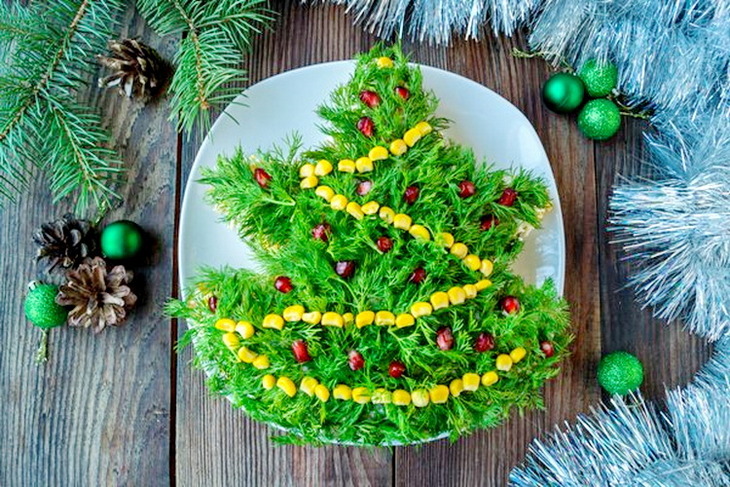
[301, 352]
[369, 98]
[466, 189]
[354, 358]
[547, 348]
[508, 197]
[403, 92]
[364, 187]
[396, 369]
[212, 304]
[411, 194]
[261, 177]
[488, 222]
[283, 284]
[385, 244]
[418, 275]
[366, 126]
[322, 232]
[509, 304]
[345, 268]
[445, 338]
[484, 342]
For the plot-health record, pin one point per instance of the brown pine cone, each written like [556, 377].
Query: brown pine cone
[64, 243]
[139, 70]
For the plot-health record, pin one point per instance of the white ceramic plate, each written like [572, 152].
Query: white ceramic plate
[497, 131]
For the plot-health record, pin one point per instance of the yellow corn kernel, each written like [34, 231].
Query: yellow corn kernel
[398, 147]
[471, 381]
[459, 249]
[517, 354]
[446, 239]
[348, 318]
[245, 329]
[322, 393]
[384, 318]
[342, 392]
[473, 262]
[483, 284]
[504, 362]
[402, 221]
[261, 362]
[306, 170]
[456, 295]
[309, 182]
[486, 267]
[384, 62]
[346, 165]
[403, 320]
[273, 321]
[364, 164]
[268, 381]
[401, 397]
[231, 340]
[293, 313]
[386, 214]
[361, 395]
[378, 153]
[313, 317]
[456, 386]
[420, 232]
[421, 309]
[364, 318]
[354, 210]
[246, 355]
[490, 378]
[307, 385]
[338, 202]
[470, 290]
[323, 167]
[439, 300]
[330, 318]
[286, 385]
[382, 396]
[439, 394]
[370, 208]
[411, 137]
[325, 192]
[225, 324]
[420, 398]
[423, 127]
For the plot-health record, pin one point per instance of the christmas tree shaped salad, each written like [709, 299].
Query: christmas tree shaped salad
[387, 312]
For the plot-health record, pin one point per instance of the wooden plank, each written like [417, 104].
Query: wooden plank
[98, 412]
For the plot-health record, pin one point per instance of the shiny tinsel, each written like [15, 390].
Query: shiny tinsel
[634, 444]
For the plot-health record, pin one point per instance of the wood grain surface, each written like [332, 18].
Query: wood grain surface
[123, 408]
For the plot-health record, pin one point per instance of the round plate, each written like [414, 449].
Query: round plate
[276, 107]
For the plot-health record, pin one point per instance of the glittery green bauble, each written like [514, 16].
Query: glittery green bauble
[599, 119]
[563, 92]
[620, 373]
[41, 307]
[121, 240]
[599, 78]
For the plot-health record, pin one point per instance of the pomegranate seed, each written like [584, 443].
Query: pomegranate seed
[369, 98]
[354, 358]
[484, 342]
[396, 369]
[364, 187]
[411, 194]
[403, 92]
[466, 189]
[301, 353]
[261, 177]
[445, 338]
[322, 232]
[418, 275]
[212, 304]
[283, 284]
[508, 197]
[345, 268]
[385, 244]
[509, 305]
[366, 126]
[488, 222]
[547, 348]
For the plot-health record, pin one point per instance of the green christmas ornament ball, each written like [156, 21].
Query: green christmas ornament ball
[599, 78]
[620, 373]
[563, 92]
[121, 240]
[599, 119]
[41, 307]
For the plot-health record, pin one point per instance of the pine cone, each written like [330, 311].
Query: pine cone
[99, 298]
[64, 243]
[139, 69]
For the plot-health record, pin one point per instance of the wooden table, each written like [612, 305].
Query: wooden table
[123, 408]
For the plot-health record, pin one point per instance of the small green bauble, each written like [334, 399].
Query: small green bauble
[599, 78]
[620, 373]
[563, 92]
[121, 240]
[599, 119]
[41, 307]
